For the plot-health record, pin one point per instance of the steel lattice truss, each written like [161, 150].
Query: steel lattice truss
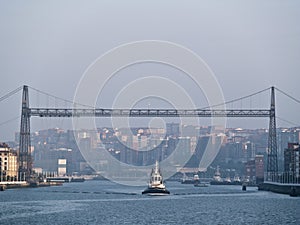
[25, 168]
[59, 112]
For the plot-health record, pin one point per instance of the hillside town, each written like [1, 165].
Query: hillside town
[243, 152]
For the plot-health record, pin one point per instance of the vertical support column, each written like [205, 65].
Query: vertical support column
[25, 162]
[272, 167]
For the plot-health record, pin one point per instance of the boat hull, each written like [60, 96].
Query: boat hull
[155, 191]
[65, 179]
[225, 183]
[201, 185]
[187, 181]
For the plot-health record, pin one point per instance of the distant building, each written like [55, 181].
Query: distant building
[236, 152]
[190, 131]
[8, 163]
[284, 137]
[259, 169]
[52, 161]
[254, 169]
[250, 170]
[250, 150]
[173, 129]
[292, 161]
[62, 167]
[194, 161]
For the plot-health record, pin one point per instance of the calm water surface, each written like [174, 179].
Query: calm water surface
[103, 202]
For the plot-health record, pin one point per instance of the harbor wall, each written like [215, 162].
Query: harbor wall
[290, 189]
[10, 185]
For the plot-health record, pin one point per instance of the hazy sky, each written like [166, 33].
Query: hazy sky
[249, 45]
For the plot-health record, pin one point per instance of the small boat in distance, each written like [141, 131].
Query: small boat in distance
[189, 180]
[198, 183]
[156, 185]
[65, 179]
[217, 177]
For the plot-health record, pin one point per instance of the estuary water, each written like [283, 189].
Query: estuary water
[104, 202]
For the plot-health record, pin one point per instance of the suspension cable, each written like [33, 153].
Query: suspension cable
[220, 104]
[10, 93]
[238, 99]
[286, 94]
[287, 121]
[10, 120]
[62, 99]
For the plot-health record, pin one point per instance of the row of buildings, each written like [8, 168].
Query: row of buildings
[241, 152]
[291, 164]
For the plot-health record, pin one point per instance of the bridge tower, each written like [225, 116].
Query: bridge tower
[272, 166]
[25, 161]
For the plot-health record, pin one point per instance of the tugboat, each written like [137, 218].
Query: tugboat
[217, 177]
[196, 179]
[198, 183]
[156, 185]
[186, 180]
[237, 180]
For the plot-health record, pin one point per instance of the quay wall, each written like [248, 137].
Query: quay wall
[10, 185]
[290, 189]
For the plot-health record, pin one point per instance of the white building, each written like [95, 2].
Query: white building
[8, 163]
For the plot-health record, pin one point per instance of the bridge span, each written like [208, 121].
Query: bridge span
[25, 159]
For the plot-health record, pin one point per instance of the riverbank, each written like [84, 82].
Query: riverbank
[290, 189]
[24, 184]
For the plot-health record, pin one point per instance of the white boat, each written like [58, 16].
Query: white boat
[198, 183]
[156, 184]
[187, 180]
[237, 180]
[217, 177]
[196, 178]
[227, 180]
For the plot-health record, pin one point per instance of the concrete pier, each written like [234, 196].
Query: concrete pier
[24, 184]
[282, 188]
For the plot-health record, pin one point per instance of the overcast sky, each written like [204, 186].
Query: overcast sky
[249, 45]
